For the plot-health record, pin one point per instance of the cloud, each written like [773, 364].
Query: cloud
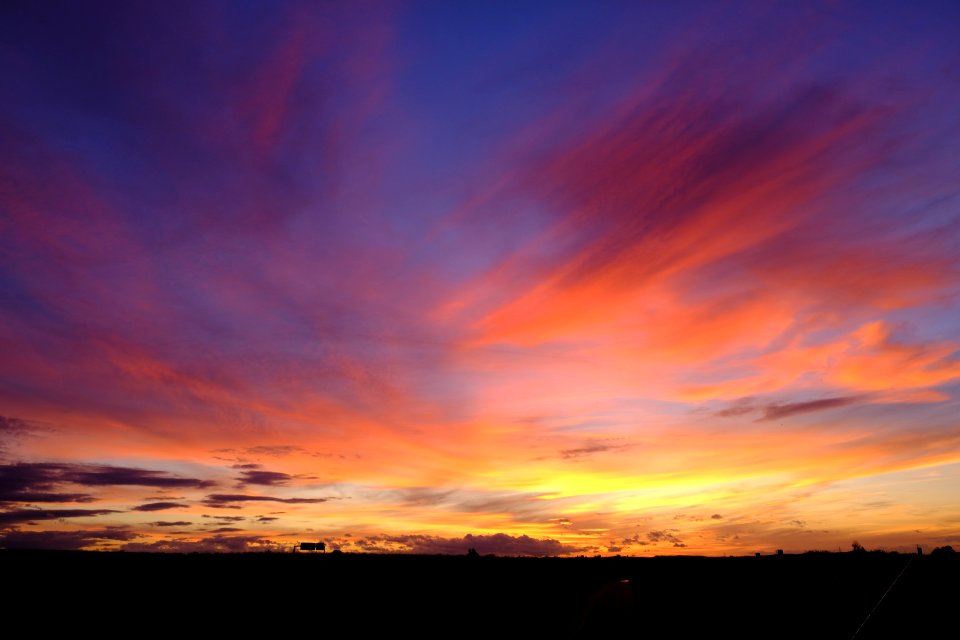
[665, 535]
[15, 429]
[24, 482]
[879, 360]
[498, 544]
[274, 451]
[568, 454]
[634, 220]
[225, 500]
[8, 518]
[635, 539]
[159, 506]
[225, 530]
[102, 475]
[426, 495]
[777, 411]
[741, 406]
[214, 544]
[266, 518]
[266, 478]
[696, 518]
[38, 481]
[521, 506]
[693, 269]
[225, 518]
[19, 484]
[62, 540]
[167, 523]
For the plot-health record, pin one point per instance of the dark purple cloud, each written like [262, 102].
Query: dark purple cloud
[225, 518]
[167, 523]
[266, 518]
[65, 540]
[778, 410]
[159, 506]
[226, 500]
[24, 482]
[665, 535]
[39, 481]
[15, 516]
[214, 544]
[740, 407]
[102, 475]
[12, 429]
[635, 539]
[275, 451]
[266, 478]
[498, 544]
[656, 537]
[569, 454]
[225, 530]
[785, 410]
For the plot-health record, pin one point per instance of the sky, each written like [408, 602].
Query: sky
[535, 278]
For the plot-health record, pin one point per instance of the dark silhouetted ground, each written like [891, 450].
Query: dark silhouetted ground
[818, 595]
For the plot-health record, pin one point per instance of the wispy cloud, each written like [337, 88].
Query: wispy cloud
[71, 540]
[498, 544]
[15, 516]
[159, 506]
[229, 500]
[218, 543]
[775, 411]
[267, 478]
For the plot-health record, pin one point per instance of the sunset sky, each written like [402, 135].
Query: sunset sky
[535, 278]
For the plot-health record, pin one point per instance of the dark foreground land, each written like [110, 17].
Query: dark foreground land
[340, 595]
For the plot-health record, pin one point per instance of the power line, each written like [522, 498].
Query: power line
[857, 632]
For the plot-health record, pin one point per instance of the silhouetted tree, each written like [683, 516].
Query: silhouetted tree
[857, 547]
[943, 551]
[472, 553]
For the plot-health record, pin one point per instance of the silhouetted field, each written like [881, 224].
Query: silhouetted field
[310, 595]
